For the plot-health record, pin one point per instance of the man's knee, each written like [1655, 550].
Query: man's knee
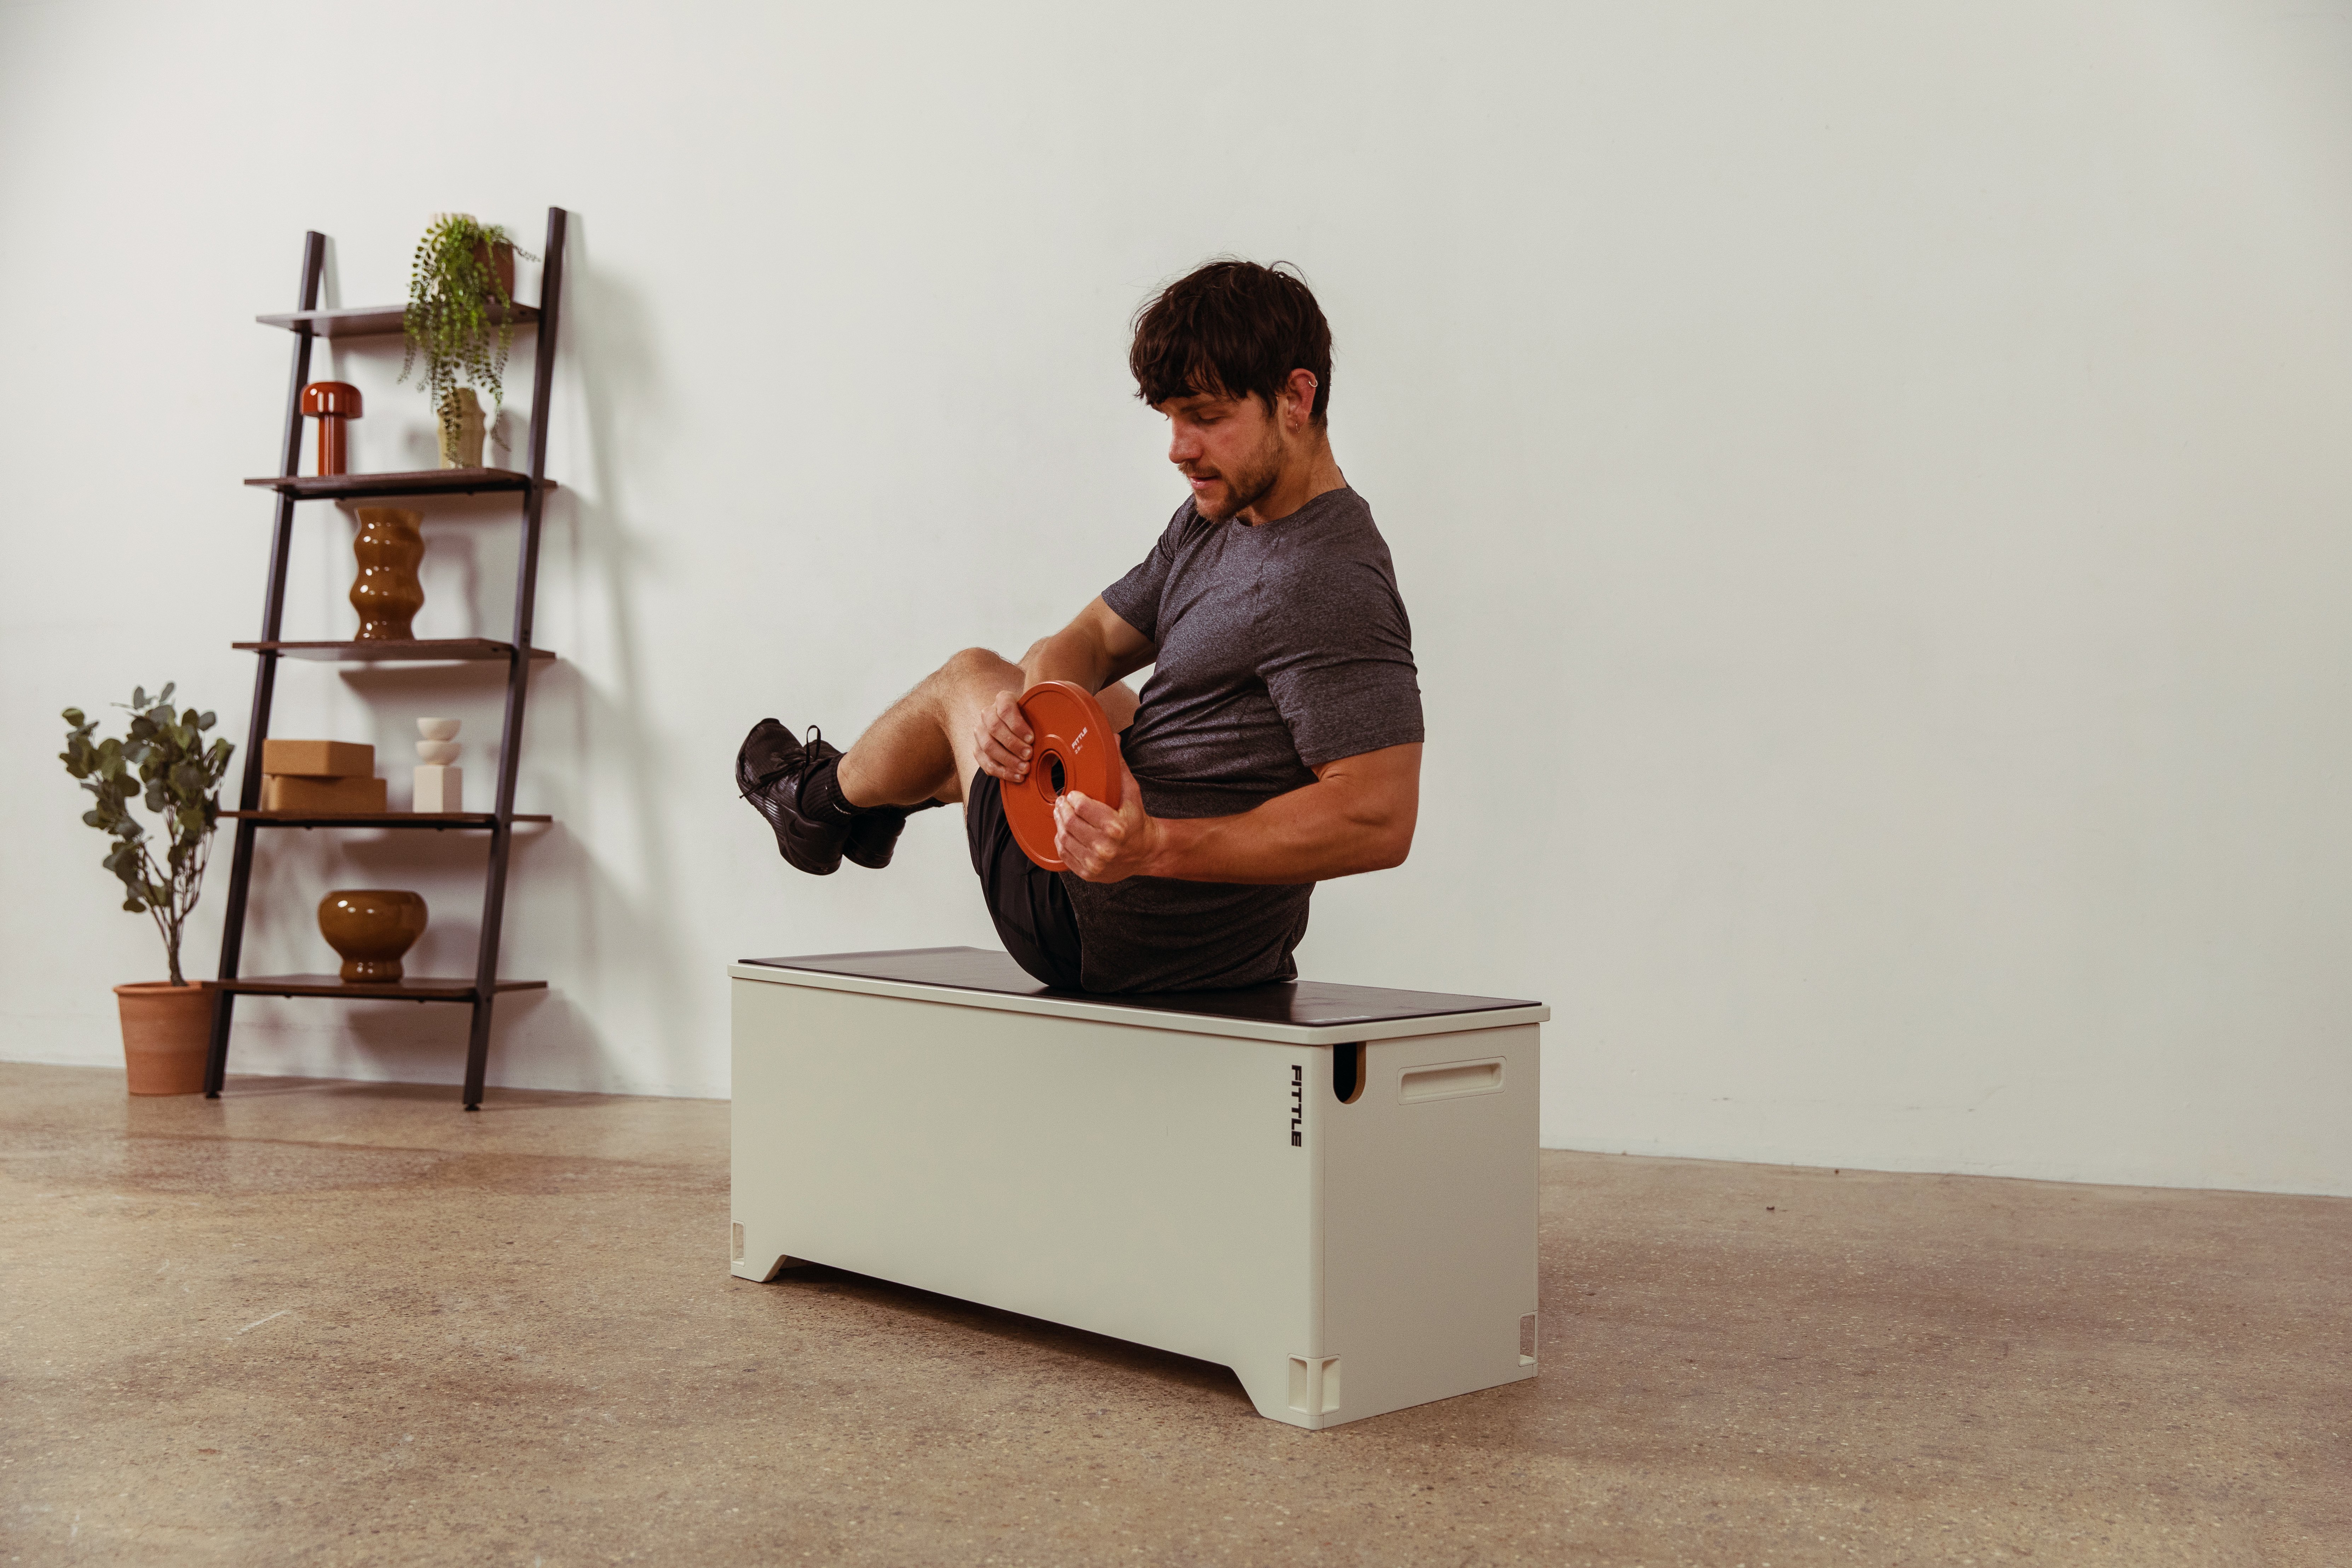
[979, 667]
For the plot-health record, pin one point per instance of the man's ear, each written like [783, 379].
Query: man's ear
[1298, 399]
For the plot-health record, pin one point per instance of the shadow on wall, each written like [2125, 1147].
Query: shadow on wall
[596, 744]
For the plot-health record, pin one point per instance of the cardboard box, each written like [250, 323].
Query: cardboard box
[318, 759]
[281, 791]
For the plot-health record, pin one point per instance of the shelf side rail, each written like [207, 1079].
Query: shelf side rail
[494, 886]
[265, 675]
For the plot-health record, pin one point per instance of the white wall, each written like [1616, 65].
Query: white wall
[1870, 483]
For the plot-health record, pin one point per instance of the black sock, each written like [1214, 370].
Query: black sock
[821, 796]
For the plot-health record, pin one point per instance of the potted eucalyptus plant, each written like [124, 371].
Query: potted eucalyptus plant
[163, 765]
[459, 323]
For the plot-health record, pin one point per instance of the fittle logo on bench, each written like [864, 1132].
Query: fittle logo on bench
[1297, 1106]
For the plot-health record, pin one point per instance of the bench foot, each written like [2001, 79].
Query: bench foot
[757, 1263]
[1300, 1391]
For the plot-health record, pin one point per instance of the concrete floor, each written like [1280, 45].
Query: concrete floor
[327, 1322]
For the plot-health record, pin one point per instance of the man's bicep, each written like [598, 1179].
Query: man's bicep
[1127, 649]
[1339, 669]
[1337, 707]
[1389, 771]
[1378, 794]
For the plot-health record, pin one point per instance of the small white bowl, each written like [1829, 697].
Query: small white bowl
[437, 728]
[437, 751]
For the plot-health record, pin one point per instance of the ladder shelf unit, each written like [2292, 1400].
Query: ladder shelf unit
[307, 322]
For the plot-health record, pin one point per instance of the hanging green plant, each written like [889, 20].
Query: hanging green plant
[460, 317]
[164, 763]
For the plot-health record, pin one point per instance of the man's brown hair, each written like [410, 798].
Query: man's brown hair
[1229, 329]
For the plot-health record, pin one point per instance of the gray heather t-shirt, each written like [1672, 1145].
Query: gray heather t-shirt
[1281, 648]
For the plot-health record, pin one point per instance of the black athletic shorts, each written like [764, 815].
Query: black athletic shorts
[1030, 906]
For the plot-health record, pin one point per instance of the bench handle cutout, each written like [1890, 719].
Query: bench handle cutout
[1451, 1080]
[1347, 1072]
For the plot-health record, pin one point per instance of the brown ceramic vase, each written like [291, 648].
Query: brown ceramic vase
[387, 594]
[370, 928]
[166, 1031]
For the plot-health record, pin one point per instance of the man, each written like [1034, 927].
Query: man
[1278, 742]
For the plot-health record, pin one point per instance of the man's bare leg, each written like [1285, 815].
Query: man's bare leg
[921, 749]
[924, 747]
[1118, 705]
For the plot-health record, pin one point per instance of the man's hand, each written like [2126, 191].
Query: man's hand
[1100, 843]
[1002, 738]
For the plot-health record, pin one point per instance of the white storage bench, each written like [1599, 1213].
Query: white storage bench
[1330, 1189]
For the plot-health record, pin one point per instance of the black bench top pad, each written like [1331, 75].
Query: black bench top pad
[1309, 1003]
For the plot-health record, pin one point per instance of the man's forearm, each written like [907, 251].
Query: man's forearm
[1311, 835]
[1358, 815]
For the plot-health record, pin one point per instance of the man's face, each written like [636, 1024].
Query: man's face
[1230, 448]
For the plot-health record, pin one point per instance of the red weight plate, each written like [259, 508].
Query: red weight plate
[1071, 748]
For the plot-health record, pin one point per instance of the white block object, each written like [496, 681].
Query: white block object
[1177, 1172]
[439, 788]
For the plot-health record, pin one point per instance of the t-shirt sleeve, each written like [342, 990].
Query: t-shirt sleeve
[1135, 598]
[1339, 664]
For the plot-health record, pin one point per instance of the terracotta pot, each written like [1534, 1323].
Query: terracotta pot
[166, 1030]
[499, 259]
[386, 593]
[370, 928]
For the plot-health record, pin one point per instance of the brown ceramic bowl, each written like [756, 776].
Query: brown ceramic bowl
[370, 928]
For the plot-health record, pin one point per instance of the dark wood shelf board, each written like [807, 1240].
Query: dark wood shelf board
[421, 650]
[374, 320]
[417, 482]
[436, 819]
[410, 988]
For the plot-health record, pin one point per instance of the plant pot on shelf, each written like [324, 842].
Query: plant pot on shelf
[500, 260]
[460, 429]
[166, 1031]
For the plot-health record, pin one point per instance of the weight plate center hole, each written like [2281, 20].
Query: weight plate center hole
[1056, 781]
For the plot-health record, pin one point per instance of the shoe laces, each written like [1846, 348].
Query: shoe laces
[799, 771]
[810, 756]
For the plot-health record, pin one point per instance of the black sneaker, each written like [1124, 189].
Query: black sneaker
[769, 770]
[873, 834]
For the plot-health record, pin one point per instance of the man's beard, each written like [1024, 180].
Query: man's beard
[1246, 488]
